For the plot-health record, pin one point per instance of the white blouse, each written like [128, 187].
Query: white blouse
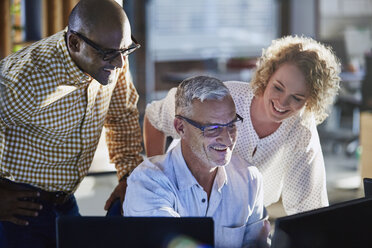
[290, 159]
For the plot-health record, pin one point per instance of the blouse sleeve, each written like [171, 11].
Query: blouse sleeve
[161, 114]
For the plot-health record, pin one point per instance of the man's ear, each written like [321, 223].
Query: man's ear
[178, 125]
[73, 43]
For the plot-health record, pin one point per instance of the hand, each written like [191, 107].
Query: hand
[15, 203]
[265, 231]
[119, 192]
[264, 234]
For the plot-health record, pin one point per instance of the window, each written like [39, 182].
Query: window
[194, 29]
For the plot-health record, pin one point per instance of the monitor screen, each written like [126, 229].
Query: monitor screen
[139, 232]
[367, 183]
[344, 224]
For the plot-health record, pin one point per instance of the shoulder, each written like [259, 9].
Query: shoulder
[30, 63]
[238, 87]
[153, 168]
[241, 93]
[154, 175]
[150, 165]
[39, 53]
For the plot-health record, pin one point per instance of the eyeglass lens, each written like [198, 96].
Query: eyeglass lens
[114, 54]
[213, 131]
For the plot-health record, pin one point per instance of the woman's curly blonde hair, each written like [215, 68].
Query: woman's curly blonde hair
[317, 62]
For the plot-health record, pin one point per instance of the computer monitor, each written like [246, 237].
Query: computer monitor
[346, 224]
[139, 232]
[367, 183]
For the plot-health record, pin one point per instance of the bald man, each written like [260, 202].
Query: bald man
[56, 95]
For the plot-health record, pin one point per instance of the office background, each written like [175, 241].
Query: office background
[223, 39]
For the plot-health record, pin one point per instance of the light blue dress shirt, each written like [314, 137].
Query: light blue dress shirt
[164, 186]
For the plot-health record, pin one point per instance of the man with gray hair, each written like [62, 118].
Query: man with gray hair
[201, 176]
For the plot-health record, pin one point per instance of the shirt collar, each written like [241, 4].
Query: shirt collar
[184, 177]
[221, 177]
[75, 76]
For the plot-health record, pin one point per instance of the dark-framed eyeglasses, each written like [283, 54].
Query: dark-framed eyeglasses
[213, 130]
[111, 54]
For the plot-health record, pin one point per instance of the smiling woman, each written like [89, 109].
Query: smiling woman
[285, 94]
[315, 62]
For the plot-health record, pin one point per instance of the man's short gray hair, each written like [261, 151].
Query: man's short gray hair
[200, 88]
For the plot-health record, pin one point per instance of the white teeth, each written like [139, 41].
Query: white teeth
[279, 110]
[219, 148]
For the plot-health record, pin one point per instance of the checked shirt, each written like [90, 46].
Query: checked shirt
[52, 115]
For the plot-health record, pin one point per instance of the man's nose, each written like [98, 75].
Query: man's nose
[227, 137]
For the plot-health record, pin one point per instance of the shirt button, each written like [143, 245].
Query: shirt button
[203, 200]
